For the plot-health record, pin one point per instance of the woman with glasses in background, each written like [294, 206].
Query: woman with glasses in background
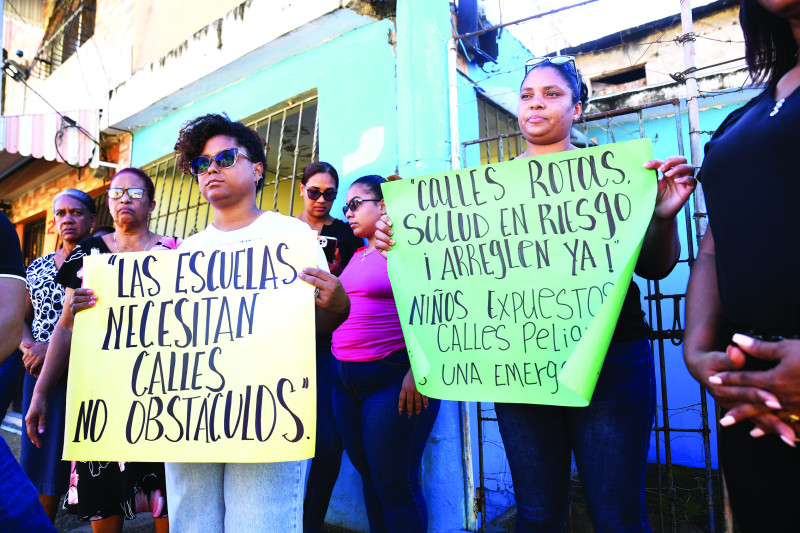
[384, 421]
[104, 492]
[610, 438]
[319, 187]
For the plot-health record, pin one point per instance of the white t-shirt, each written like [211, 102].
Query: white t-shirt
[268, 224]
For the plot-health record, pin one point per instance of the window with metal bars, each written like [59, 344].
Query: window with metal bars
[290, 129]
[493, 120]
[33, 240]
[70, 25]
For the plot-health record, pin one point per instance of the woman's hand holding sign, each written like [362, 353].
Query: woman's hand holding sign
[331, 300]
[676, 184]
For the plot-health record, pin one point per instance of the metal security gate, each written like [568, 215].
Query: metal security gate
[495, 489]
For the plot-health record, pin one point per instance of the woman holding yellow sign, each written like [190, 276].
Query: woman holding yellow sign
[229, 160]
[612, 434]
[102, 491]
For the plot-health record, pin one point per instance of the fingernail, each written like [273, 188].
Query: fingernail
[743, 340]
[727, 420]
[788, 441]
[41, 430]
[715, 380]
[773, 404]
[661, 168]
[757, 432]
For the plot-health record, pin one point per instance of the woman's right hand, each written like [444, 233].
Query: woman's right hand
[383, 235]
[704, 365]
[410, 399]
[33, 357]
[82, 299]
[743, 402]
[36, 418]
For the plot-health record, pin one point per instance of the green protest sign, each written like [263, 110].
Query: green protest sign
[509, 277]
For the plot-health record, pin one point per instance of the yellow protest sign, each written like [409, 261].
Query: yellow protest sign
[201, 355]
[509, 278]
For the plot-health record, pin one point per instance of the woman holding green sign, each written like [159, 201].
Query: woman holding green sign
[610, 438]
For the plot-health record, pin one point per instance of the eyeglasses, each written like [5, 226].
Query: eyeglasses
[554, 60]
[224, 159]
[133, 193]
[353, 204]
[328, 194]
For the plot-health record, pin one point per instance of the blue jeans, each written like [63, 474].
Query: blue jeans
[237, 497]
[20, 509]
[384, 446]
[609, 438]
[324, 469]
[9, 370]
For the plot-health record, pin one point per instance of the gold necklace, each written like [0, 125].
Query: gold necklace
[149, 238]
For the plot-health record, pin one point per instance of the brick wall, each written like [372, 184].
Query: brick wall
[38, 201]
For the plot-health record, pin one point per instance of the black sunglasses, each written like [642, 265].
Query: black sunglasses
[328, 194]
[224, 159]
[116, 193]
[553, 60]
[353, 204]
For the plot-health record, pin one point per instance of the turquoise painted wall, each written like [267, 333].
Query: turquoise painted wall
[355, 80]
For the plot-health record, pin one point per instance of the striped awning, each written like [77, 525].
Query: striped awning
[54, 138]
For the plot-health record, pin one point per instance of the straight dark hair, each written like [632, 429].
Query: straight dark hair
[320, 167]
[371, 182]
[770, 48]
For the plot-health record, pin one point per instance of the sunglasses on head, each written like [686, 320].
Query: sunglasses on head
[224, 159]
[353, 204]
[328, 194]
[553, 60]
[116, 193]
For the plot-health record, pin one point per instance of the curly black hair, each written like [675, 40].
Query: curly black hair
[319, 167]
[769, 44]
[195, 133]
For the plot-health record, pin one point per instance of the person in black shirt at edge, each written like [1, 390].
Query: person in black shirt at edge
[319, 187]
[20, 509]
[743, 300]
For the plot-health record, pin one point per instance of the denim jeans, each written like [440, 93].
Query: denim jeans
[324, 469]
[236, 497]
[609, 439]
[9, 370]
[20, 509]
[384, 446]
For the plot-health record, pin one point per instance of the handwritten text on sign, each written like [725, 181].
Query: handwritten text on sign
[509, 277]
[195, 356]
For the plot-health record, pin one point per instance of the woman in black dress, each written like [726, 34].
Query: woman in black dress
[743, 302]
[319, 187]
[101, 491]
